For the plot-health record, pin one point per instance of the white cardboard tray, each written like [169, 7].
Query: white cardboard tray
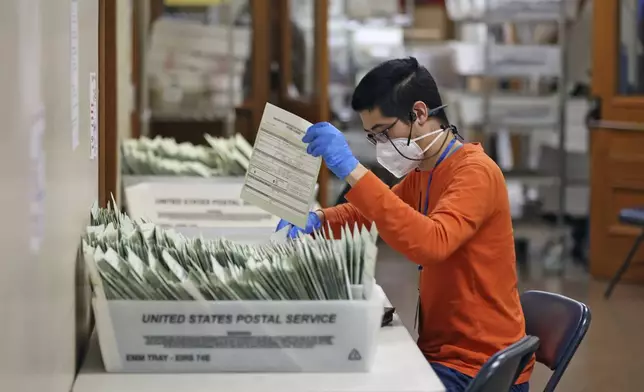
[230, 216]
[203, 205]
[238, 336]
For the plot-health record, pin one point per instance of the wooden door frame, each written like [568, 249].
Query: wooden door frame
[605, 65]
[107, 102]
[619, 116]
[316, 109]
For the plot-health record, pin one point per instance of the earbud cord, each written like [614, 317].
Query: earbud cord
[431, 156]
[412, 118]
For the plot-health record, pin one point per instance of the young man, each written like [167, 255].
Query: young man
[450, 215]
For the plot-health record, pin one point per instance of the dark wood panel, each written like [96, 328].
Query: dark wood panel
[244, 124]
[627, 147]
[135, 118]
[107, 102]
[617, 247]
[263, 37]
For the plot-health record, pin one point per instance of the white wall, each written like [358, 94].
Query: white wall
[46, 187]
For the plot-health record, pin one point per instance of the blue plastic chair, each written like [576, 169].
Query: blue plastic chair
[634, 217]
[560, 323]
[503, 369]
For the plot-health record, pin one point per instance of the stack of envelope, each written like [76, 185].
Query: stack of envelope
[137, 260]
[164, 156]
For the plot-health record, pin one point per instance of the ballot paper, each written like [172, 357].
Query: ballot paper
[281, 176]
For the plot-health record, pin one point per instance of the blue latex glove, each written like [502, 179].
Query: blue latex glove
[313, 223]
[327, 141]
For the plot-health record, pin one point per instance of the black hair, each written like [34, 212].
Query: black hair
[394, 86]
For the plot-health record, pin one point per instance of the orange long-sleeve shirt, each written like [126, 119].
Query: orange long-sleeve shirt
[469, 300]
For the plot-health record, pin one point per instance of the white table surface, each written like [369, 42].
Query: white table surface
[398, 366]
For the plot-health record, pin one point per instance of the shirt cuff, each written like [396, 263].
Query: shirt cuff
[366, 193]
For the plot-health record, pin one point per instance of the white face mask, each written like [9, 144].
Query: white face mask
[407, 157]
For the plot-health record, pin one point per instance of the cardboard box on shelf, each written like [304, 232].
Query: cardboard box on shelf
[362, 9]
[430, 24]
[239, 336]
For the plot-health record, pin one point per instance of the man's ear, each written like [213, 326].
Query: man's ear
[420, 110]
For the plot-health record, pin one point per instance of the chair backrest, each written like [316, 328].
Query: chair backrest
[560, 323]
[501, 371]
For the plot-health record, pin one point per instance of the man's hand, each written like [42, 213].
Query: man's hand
[313, 223]
[327, 141]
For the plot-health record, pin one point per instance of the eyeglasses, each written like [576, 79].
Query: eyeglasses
[380, 137]
[383, 136]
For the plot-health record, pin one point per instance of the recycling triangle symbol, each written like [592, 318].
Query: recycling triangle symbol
[354, 355]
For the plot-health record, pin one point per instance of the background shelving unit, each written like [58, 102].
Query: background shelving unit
[514, 99]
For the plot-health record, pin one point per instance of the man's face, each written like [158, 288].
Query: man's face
[379, 127]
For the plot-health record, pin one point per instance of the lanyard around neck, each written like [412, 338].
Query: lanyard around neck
[441, 158]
